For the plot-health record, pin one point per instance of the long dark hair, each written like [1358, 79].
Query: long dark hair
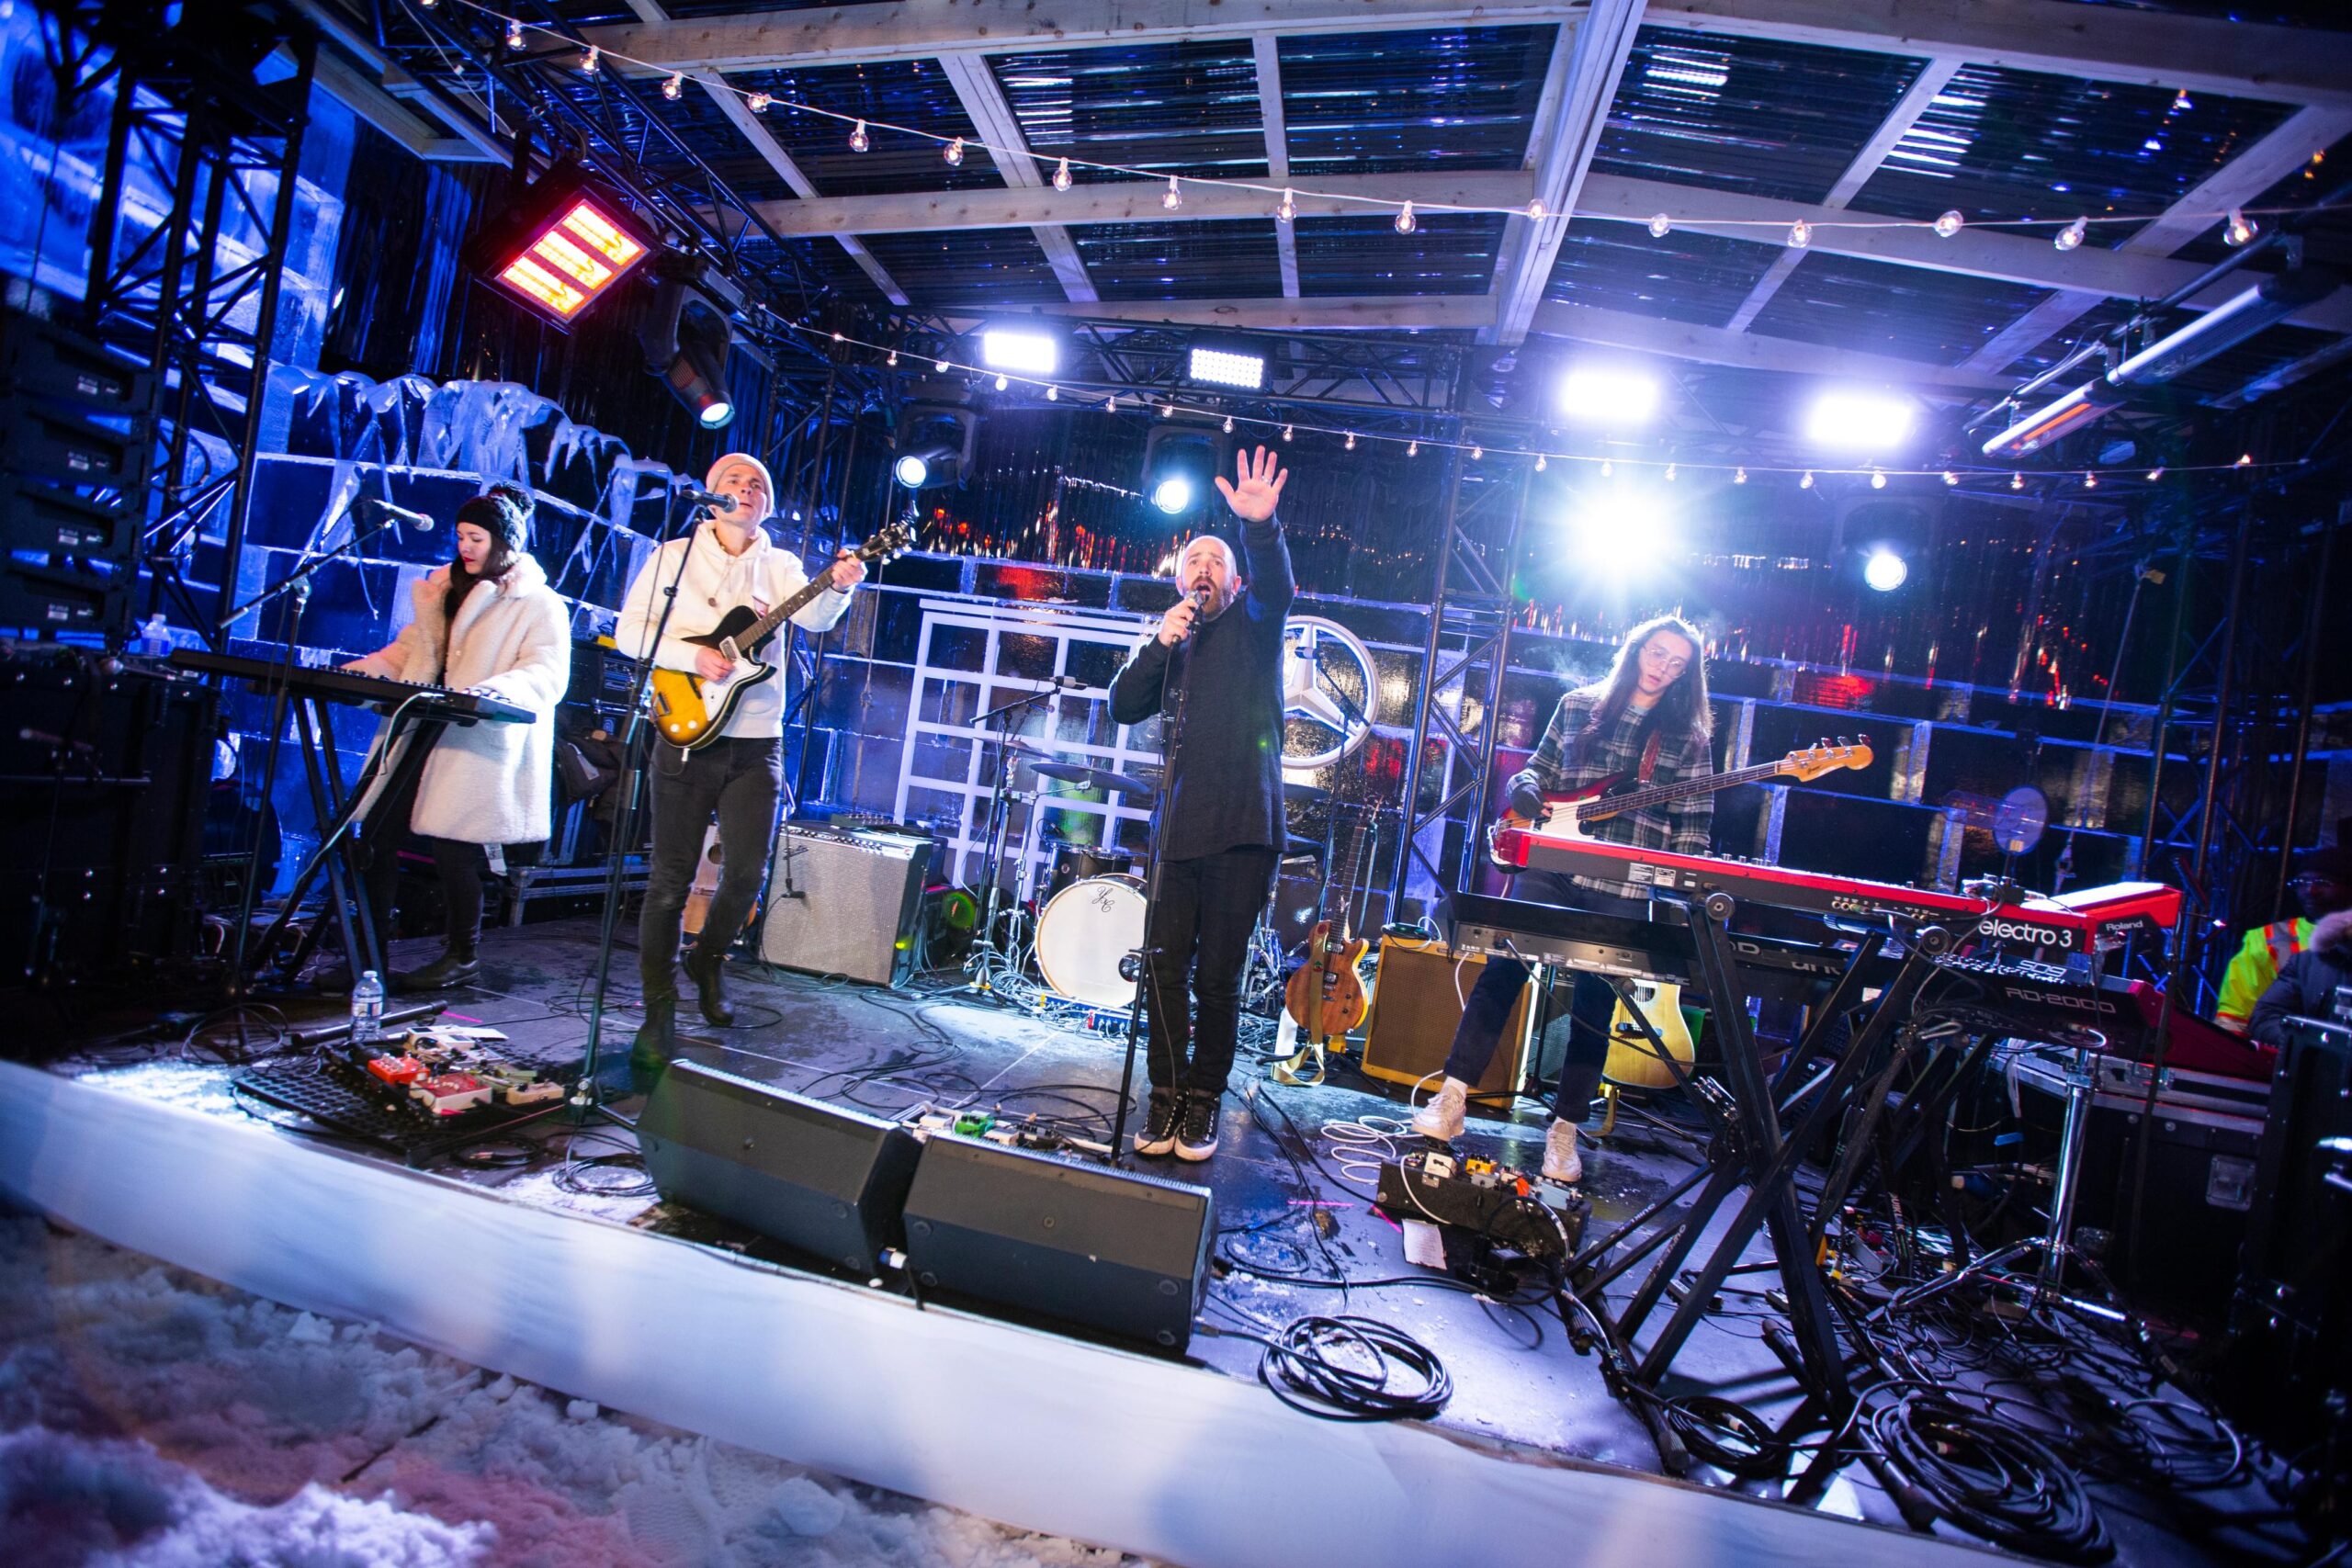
[1682, 708]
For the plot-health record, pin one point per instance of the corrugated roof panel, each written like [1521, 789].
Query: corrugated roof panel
[1450, 253]
[1749, 115]
[984, 266]
[902, 92]
[1392, 102]
[1685, 277]
[1877, 308]
[1221, 258]
[1180, 108]
[2009, 144]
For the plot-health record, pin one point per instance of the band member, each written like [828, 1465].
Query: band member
[2323, 886]
[486, 622]
[727, 561]
[2315, 983]
[1216, 653]
[1650, 717]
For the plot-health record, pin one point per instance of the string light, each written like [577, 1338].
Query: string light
[2155, 473]
[858, 141]
[2072, 234]
[760, 102]
[1671, 473]
[940, 366]
[1351, 440]
[2240, 227]
[2182, 103]
[1739, 476]
[1607, 468]
[1053, 394]
[1167, 410]
[1175, 197]
[1285, 432]
[428, 5]
[2090, 481]
[893, 359]
[1412, 448]
[1001, 383]
[1535, 210]
[514, 34]
[1061, 174]
[1951, 478]
[2245, 460]
[1476, 452]
[2017, 481]
[1287, 209]
[1806, 482]
[954, 153]
[1949, 224]
[1405, 224]
[1542, 462]
[1660, 225]
[1878, 478]
[839, 338]
[1229, 425]
[1799, 234]
[588, 60]
[675, 86]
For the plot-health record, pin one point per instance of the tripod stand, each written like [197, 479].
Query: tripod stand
[987, 956]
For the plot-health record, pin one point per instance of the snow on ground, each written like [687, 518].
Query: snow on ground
[153, 1419]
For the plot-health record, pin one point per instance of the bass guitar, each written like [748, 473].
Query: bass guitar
[1572, 813]
[692, 711]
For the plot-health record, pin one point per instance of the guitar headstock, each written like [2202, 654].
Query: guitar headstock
[890, 542]
[1821, 757]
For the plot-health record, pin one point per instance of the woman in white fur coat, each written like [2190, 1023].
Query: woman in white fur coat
[488, 623]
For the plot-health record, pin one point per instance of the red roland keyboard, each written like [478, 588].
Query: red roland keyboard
[2081, 921]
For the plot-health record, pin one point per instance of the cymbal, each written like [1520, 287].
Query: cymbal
[1305, 794]
[1084, 777]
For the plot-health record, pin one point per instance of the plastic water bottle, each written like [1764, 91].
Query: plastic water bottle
[367, 1010]
[155, 636]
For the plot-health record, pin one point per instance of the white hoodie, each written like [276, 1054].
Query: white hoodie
[763, 576]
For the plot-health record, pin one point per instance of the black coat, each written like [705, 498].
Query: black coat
[2306, 987]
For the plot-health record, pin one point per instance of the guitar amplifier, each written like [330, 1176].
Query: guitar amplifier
[843, 902]
[1414, 1012]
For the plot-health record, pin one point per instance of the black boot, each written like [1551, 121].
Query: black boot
[708, 973]
[655, 1046]
[454, 967]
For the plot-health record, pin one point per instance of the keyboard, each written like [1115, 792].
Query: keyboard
[350, 686]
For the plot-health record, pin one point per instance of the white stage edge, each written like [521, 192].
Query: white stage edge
[1174, 1463]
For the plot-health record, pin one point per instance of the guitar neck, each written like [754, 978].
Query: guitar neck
[764, 628]
[1656, 795]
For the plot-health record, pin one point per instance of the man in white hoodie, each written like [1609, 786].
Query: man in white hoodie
[728, 560]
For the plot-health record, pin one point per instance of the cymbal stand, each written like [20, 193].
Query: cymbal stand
[987, 954]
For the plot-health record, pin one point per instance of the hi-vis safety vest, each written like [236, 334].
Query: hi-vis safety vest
[2258, 964]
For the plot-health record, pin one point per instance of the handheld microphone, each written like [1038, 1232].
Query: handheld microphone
[696, 496]
[416, 520]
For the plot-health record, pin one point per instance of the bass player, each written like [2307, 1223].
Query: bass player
[1649, 717]
[725, 562]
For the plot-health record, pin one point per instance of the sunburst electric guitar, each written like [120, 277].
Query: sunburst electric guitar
[692, 711]
[1324, 994]
[1631, 1060]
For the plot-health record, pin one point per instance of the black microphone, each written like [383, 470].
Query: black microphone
[416, 520]
[696, 495]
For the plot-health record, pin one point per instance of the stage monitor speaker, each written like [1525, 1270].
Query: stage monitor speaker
[829, 1182]
[844, 902]
[1121, 1254]
[1415, 1011]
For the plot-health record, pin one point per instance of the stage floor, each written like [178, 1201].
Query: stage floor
[1287, 1201]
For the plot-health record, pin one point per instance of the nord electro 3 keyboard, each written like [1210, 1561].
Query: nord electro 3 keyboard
[2081, 921]
[350, 686]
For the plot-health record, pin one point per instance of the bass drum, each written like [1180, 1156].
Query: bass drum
[1086, 931]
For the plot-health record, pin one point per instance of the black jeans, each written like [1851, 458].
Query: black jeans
[739, 780]
[1589, 1010]
[1208, 908]
[459, 864]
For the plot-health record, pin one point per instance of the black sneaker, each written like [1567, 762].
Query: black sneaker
[1158, 1135]
[451, 968]
[1196, 1132]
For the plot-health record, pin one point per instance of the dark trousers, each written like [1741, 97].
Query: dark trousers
[1199, 931]
[1589, 1010]
[459, 864]
[738, 780]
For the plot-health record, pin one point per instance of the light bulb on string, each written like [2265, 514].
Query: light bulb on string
[1660, 225]
[1174, 196]
[1405, 224]
[2240, 229]
[1542, 462]
[1287, 429]
[2090, 480]
[2066, 239]
[1608, 468]
[1476, 452]
[1799, 234]
[1806, 482]
[1053, 394]
[2155, 473]
[2017, 481]
[1951, 478]
[1672, 473]
[1878, 478]
[589, 59]
[858, 141]
[1412, 448]
[1535, 210]
[1287, 209]
[1061, 174]
[760, 103]
[514, 34]
[839, 338]
[1351, 441]
[1000, 382]
[940, 366]
[953, 152]
[1949, 224]
[1167, 410]
[1739, 476]
[893, 359]
[2245, 460]
[1229, 425]
[673, 86]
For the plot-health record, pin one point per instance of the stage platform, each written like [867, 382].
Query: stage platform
[531, 1259]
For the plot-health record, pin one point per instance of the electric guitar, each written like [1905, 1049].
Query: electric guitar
[1324, 994]
[1572, 814]
[692, 711]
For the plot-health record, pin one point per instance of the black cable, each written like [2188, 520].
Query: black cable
[1302, 1368]
[1989, 1477]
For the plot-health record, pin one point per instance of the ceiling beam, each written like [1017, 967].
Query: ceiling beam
[1267, 53]
[1130, 201]
[351, 87]
[2237, 181]
[2287, 375]
[1588, 57]
[2304, 65]
[985, 105]
[1915, 102]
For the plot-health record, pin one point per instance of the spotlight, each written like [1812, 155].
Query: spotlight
[1172, 495]
[1859, 422]
[1178, 463]
[687, 338]
[934, 445]
[1224, 365]
[913, 469]
[1605, 395]
[1022, 351]
[1884, 570]
[560, 248]
[1623, 533]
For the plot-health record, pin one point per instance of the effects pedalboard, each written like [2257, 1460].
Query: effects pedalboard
[448, 1071]
[1535, 1219]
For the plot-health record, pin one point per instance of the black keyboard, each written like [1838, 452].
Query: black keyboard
[350, 686]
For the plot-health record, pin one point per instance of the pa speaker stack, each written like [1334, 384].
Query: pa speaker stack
[1078, 1245]
[74, 437]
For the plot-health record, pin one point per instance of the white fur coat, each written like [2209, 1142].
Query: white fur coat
[486, 784]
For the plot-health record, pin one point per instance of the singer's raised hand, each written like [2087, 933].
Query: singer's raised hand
[1262, 480]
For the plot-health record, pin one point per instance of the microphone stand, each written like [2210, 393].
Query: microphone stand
[587, 1096]
[999, 827]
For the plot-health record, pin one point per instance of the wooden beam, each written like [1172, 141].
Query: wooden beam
[1588, 58]
[1267, 54]
[2287, 375]
[2306, 65]
[351, 87]
[1129, 201]
[1915, 102]
[763, 141]
[985, 103]
[1387, 313]
[1721, 345]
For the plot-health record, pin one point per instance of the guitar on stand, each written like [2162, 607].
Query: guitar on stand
[1325, 996]
[691, 711]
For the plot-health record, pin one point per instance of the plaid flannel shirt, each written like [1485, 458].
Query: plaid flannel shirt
[1684, 827]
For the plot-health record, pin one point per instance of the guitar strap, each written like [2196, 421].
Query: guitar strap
[1650, 756]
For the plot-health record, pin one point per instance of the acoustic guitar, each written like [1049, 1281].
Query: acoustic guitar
[692, 711]
[1632, 1062]
[1572, 813]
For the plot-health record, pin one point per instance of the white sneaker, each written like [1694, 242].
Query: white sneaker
[1561, 1162]
[1442, 1117]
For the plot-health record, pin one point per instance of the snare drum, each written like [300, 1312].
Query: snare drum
[1086, 930]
